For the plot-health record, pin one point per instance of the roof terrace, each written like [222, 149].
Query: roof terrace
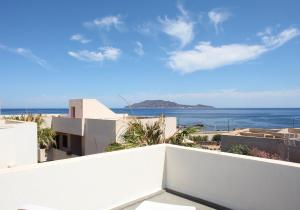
[154, 177]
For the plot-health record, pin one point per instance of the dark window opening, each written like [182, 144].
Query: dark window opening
[73, 111]
[57, 141]
[65, 141]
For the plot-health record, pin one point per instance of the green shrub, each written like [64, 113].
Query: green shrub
[239, 149]
[216, 138]
[199, 139]
[114, 147]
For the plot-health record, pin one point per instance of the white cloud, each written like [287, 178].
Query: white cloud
[181, 28]
[106, 22]
[28, 54]
[205, 56]
[139, 49]
[217, 17]
[281, 38]
[105, 53]
[80, 38]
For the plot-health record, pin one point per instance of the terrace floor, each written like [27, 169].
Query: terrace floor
[166, 201]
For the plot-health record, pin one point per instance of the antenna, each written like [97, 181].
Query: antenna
[127, 102]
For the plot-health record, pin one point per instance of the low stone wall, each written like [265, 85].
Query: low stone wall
[287, 150]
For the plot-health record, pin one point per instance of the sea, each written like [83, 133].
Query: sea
[211, 119]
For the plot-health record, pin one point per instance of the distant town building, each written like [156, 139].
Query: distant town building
[283, 142]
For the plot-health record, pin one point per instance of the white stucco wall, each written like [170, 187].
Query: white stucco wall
[98, 135]
[107, 180]
[234, 181]
[18, 144]
[93, 182]
[91, 108]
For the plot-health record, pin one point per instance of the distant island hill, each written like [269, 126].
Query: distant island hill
[156, 104]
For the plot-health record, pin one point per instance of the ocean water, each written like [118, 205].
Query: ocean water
[212, 119]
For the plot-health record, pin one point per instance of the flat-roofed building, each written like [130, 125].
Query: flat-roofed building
[90, 127]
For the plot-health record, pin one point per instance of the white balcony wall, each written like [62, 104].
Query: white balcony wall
[93, 182]
[73, 126]
[18, 144]
[234, 181]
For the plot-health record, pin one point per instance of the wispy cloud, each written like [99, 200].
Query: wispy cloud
[147, 28]
[139, 49]
[80, 38]
[205, 56]
[105, 53]
[181, 28]
[28, 54]
[217, 17]
[107, 22]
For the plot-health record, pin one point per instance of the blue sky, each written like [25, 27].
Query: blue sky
[220, 53]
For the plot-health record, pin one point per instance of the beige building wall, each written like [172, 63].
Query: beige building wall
[92, 109]
[98, 135]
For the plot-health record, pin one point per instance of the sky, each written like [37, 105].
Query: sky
[219, 53]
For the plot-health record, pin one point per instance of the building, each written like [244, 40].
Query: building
[90, 127]
[283, 142]
[18, 143]
[153, 177]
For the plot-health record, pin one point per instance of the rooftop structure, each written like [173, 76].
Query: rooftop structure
[90, 127]
[283, 142]
[154, 177]
[18, 143]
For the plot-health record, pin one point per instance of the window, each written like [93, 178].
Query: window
[65, 141]
[57, 141]
[73, 111]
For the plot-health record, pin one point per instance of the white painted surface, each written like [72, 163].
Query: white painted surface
[234, 181]
[150, 205]
[18, 143]
[107, 180]
[94, 182]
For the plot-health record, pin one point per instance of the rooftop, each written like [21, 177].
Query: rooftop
[190, 176]
[284, 133]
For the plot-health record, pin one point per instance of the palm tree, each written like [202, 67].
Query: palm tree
[180, 135]
[46, 138]
[143, 135]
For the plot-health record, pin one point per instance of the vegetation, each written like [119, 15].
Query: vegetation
[179, 137]
[263, 154]
[46, 136]
[239, 149]
[138, 135]
[199, 139]
[216, 138]
[245, 150]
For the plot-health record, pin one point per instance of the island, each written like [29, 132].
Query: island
[158, 104]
